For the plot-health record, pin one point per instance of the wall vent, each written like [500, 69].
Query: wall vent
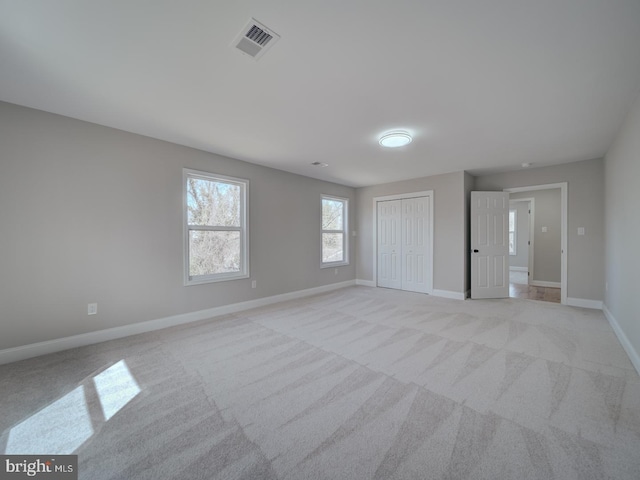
[255, 39]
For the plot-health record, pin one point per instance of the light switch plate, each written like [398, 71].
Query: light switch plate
[580, 230]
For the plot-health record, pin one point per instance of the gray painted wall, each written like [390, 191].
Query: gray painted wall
[585, 256]
[521, 258]
[622, 201]
[93, 214]
[547, 256]
[450, 234]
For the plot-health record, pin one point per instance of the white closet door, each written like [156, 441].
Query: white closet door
[415, 243]
[389, 244]
[404, 244]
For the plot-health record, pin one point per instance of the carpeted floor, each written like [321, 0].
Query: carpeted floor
[360, 383]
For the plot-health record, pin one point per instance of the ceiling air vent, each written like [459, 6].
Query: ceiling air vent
[255, 39]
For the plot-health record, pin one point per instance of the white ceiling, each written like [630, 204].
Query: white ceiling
[481, 85]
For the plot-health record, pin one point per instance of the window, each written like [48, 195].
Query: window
[513, 221]
[334, 231]
[215, 228]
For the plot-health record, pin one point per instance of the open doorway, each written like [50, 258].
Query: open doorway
[521, 226]
[537, 242]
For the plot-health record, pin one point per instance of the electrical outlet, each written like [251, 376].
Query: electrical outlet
[92, 309]
[253, 284]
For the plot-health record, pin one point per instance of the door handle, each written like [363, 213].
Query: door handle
[476, 251]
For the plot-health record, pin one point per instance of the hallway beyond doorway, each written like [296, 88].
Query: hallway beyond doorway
[546, 294]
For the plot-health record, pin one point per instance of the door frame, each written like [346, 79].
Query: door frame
[401, 196]
[563, 186]
[532, 209]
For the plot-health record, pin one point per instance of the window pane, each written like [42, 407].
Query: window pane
[332, 247]
[512, 245]
[512, 220]
[213, 252]
[332, 211]
[213, 203]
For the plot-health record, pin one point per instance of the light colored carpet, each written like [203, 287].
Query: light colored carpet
[360, 383]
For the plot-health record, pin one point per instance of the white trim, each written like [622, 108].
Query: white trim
[564, 196]
[622, 337]
[401, 196]
[584, 303]
[435, 293]
[449, 294]
[542, 283]
[59, 344]
[385, 198]
[518, 269]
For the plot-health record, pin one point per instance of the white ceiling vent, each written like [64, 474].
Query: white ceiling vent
[255, 39]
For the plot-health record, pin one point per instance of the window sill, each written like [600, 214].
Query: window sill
[225, 278]
[334, 264]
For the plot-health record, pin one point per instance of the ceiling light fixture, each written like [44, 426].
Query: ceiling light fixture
[526, 165]
[395, 139]
[319, 164]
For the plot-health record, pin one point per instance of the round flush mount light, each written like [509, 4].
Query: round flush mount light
[526, 165]
[395, 139]
[319, 164]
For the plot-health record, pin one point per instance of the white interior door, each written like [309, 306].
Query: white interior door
[415, 238]
[489, 244]
[389, 244]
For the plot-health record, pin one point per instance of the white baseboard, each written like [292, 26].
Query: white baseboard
[435, 293]
[519, 269]
[624, 340]
[584, 303]
[542, 283]
[51, 346]
[449, 294]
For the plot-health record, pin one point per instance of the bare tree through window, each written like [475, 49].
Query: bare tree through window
[333, 230]
[215, 224]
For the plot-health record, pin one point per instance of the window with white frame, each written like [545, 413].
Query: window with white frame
[513, 222]
[334, 231]
[215, 227]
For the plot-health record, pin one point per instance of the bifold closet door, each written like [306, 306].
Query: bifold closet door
[403, 244]
[389, 245]
[415, 238]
